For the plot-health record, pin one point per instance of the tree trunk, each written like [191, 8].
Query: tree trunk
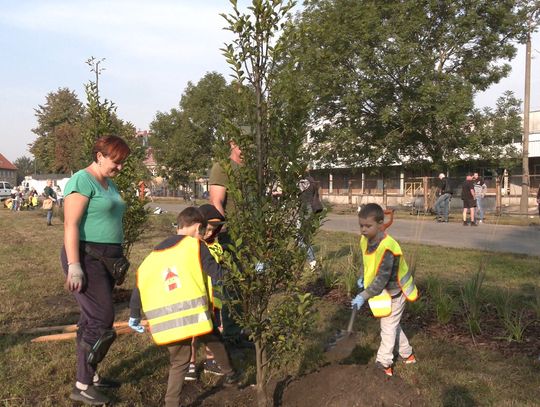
[262, 373]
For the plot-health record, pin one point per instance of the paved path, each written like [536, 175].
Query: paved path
[487, 236]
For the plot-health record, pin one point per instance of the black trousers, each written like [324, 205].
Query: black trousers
[95, 303]
[135, 306]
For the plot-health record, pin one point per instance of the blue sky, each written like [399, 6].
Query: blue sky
[152, 49]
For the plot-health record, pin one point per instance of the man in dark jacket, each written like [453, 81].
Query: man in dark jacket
[442, 204]
[469, 199]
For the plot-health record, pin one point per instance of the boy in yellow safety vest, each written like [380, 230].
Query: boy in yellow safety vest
[386, 284]
[215, 222]
[173, 284]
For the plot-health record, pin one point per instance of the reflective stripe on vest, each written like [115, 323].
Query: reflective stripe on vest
[179, 306]
[373, 260]
[173, 292]
[381, 305]
[181, 322]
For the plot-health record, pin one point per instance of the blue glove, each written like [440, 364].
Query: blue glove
[358, 301]
[360, 283]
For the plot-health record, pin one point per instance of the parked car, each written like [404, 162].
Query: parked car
[5, 190]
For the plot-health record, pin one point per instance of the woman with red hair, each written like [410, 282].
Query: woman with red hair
[93, 233]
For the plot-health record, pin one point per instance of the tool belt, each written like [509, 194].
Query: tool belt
[116, 266]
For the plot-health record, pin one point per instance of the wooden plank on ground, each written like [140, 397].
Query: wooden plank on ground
[120, 327]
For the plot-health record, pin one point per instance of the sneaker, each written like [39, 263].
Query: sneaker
[465, 223]
[211, 366]
[89, 396]
[474, 224]
[410, 360]
[480, 221]
[135, 324]
[191, 375]
[388, 370]
[312, 265]
[106, 383]
[231, 379]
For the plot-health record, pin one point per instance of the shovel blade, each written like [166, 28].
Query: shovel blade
[343, 346]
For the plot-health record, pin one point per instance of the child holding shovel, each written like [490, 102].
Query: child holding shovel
[386, 284]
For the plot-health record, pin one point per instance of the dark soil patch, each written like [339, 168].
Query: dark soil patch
[350, 385]
[334, 295]
[330, 386]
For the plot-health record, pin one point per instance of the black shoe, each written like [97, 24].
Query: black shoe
[211, 366]
[465, 223]
[90, 396]
[105, 383]
[231, 379]
[474, 224]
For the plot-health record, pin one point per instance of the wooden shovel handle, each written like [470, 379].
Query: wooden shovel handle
[351, 320]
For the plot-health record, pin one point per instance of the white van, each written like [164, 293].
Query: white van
[5, 190]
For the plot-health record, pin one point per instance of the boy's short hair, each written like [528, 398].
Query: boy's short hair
[372, 209]
[189, 217]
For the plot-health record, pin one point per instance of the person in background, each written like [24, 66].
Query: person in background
[469, 201]
[480, 189]
[222, 201]
[93, 215]
[34, 199]
[311, 204]
[442, 204]
[538, 200]
[59, 196]
[15, 199]
[49, 193]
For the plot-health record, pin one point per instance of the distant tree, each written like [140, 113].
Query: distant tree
[493, 132]
[68, 153]
[25, 166]
[62, 109]
[182, 139]
[101, 120]
[395, 80]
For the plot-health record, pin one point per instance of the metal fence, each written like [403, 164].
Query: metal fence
[502, 191]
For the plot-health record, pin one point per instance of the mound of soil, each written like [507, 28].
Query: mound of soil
[349, 385]
[330, 386]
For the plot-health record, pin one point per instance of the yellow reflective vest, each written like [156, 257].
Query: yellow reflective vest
[174, 292]
[381, 305]
[216, 293]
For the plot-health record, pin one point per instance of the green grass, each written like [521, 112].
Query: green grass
[448, 373]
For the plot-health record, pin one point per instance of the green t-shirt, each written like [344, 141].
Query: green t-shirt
[102, 219]
[218, 176]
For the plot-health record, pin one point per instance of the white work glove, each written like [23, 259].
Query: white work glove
[75, 277]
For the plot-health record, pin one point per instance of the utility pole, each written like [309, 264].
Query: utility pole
[532, 24]
[525, 182]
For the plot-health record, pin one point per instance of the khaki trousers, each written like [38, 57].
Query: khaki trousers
[392, 334]
[180, 355]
